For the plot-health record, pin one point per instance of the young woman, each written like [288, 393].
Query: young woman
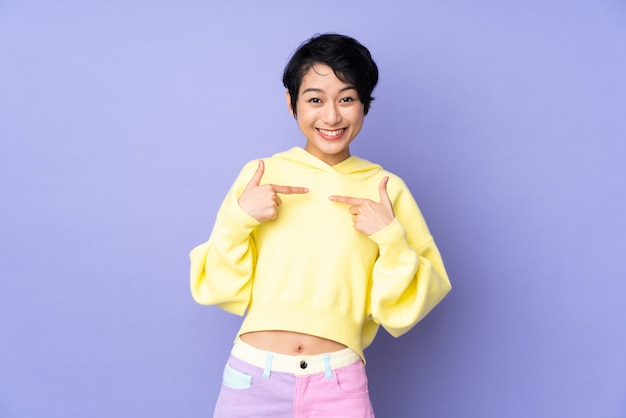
[317, 248]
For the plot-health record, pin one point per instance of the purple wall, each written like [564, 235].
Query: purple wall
[123, 125]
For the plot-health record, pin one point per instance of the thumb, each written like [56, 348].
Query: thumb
[258, 174]
[382, 191]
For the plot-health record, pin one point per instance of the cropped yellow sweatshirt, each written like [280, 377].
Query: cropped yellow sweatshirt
[309, 270]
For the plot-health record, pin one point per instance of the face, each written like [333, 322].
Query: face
[329, 113]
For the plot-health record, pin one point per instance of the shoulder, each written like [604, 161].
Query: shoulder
[397, 188]
[272, 164]
[252, 165]
[379, 172]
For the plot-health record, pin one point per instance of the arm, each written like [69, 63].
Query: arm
[223, 267]
[408, 277]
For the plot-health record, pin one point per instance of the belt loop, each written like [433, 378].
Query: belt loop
[269, 356]
[329, 371]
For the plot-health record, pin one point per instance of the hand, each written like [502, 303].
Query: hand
[369, 217]
[262, 201]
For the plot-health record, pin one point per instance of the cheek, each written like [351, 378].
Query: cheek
[306, 118]
[357, 121]
[301, 123]
[305, 124]
[356, 115]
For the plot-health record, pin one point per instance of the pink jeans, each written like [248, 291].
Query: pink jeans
[262, 385]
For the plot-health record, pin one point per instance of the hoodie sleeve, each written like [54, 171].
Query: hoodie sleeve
[409, 278]
[222, 268]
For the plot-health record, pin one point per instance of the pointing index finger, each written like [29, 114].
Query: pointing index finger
[289, 189]
[348, 200]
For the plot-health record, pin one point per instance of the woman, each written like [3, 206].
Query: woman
[317, 248]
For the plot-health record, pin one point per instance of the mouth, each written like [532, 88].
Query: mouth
[331, 134]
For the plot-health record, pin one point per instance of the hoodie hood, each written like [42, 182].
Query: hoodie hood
[353, 166]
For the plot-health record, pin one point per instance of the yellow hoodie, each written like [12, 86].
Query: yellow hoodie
[309, 270]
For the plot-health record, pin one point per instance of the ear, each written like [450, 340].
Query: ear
[288, 97]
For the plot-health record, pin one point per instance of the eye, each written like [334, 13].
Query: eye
[347, 99]
[314, 100]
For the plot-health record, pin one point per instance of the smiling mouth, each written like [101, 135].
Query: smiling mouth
[336, 133]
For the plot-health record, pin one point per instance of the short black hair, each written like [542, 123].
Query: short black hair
[351, 62]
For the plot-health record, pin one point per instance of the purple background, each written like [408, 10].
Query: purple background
[122, 125]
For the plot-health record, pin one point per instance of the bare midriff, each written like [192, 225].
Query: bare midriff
[290, 343]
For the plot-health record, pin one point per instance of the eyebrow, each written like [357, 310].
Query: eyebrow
[317, 90]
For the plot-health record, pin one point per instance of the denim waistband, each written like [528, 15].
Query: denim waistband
[298, 365]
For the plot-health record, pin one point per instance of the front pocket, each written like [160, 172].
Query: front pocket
[352, 379]
[236, 380]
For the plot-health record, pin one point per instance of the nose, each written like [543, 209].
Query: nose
[330, 114]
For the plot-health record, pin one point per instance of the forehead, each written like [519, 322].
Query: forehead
[321, 77]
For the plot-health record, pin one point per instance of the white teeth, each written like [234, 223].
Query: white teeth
[331, 133]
